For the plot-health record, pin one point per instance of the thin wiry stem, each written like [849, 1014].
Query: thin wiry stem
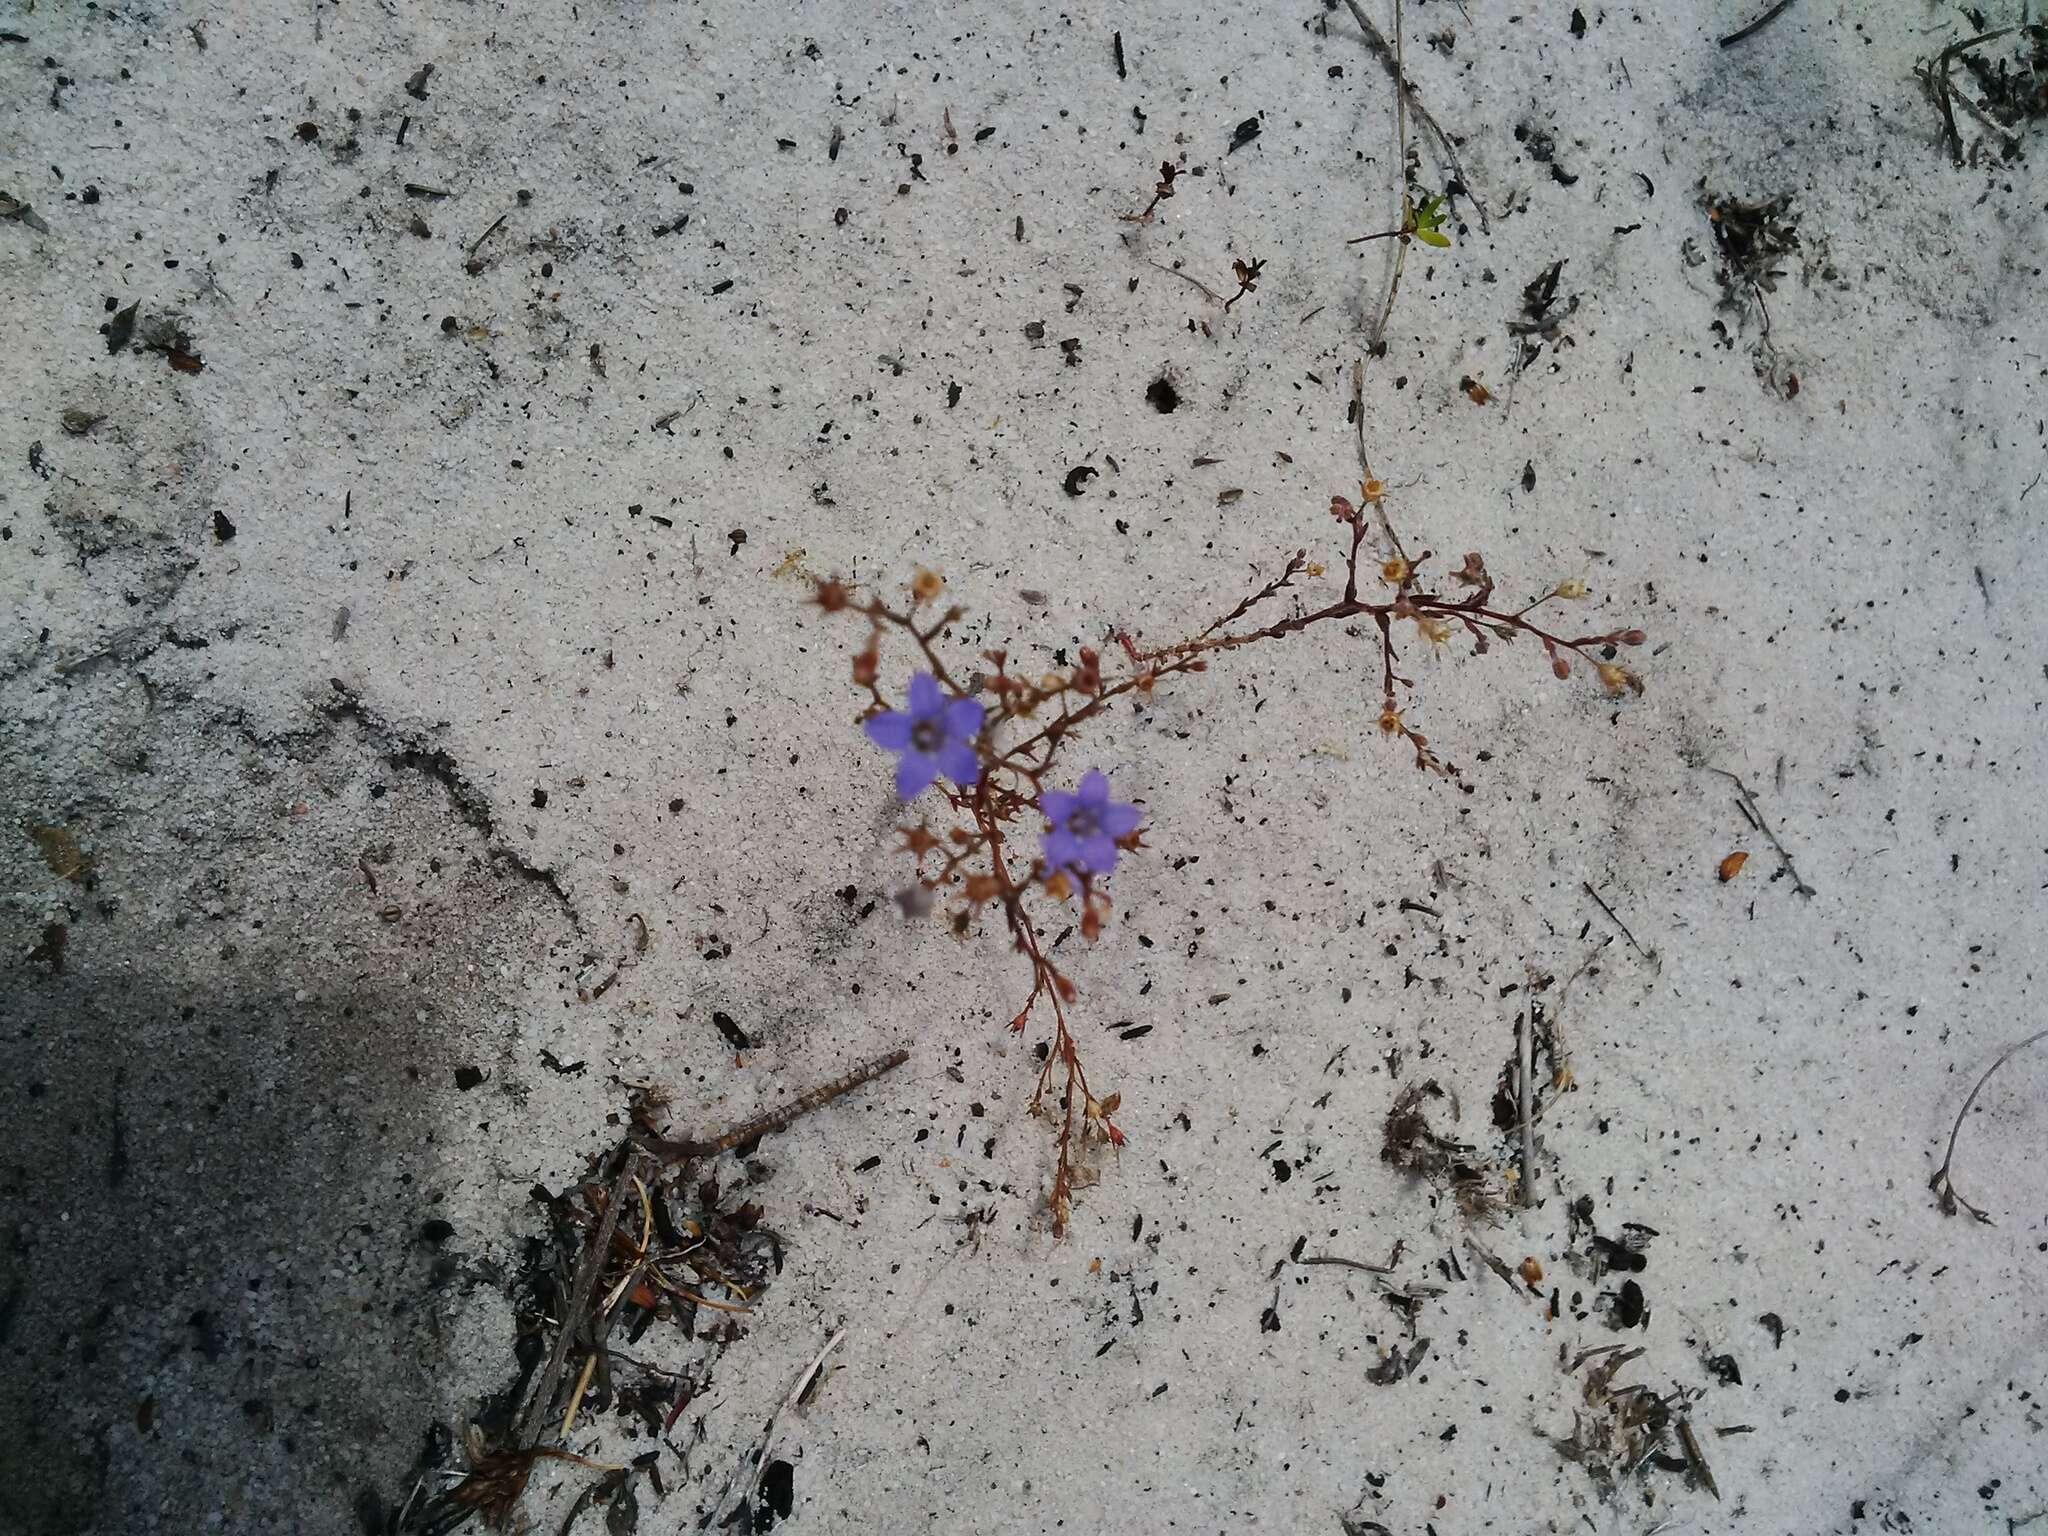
[972, 864]
[1943, 1183]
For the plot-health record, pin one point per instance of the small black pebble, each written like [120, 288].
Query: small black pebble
[223, 530]
[467, 1078]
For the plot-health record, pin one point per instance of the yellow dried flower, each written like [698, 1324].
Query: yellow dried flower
[1571, 586]
[1395, 571]
[926, 585]
[1618, 679]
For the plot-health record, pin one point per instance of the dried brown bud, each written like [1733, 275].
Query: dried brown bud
[833, 596]
[866, 667]
[1559, 667]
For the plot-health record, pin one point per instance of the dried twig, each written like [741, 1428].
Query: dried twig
[1939, 81]
[1184, 277]
[1943, 1183]
[1648, 954]
[779, 1119]
[1360, 1264]
[1743, 34]
[1525, 1048]
[1389, 56]
[748, 1473]
[1694, 1456]
[580, 1291]
[1747, 800]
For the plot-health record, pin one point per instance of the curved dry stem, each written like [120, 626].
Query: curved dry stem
[1947, 1196]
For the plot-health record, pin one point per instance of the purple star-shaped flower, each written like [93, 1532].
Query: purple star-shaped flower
[935, 735]
[1085, 825]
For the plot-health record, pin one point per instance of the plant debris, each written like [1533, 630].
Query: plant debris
[1409, 1143]
[647, 1236]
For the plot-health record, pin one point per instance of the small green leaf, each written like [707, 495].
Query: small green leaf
[1426, 221]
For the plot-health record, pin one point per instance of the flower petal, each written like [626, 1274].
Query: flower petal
[1062, 850]
[963, 718]
[959, 762]
[889, 730]
[1098, 854]
[914, 775]
[1094, 791]
[1120, 820]
[926, 697]
[1058, 805]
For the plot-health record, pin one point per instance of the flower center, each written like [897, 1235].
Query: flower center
[1083, 823]
[927, 735]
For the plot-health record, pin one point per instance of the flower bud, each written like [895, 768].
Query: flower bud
[1559, 667]
[1631, 637]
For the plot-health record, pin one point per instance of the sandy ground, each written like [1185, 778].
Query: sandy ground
[420, 424]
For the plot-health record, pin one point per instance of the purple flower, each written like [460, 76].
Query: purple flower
[935, 735]
[1085, 825]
